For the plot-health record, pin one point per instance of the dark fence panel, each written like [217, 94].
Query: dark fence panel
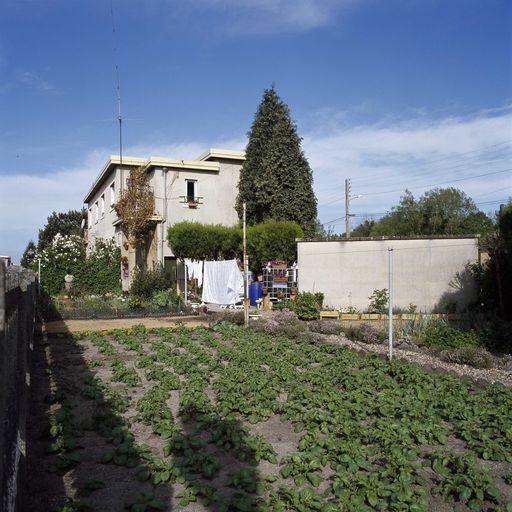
[17, 309]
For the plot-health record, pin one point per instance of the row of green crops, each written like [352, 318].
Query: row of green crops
[373, 435]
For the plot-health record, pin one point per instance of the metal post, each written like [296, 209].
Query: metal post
[246, 294]
[390, 304]
[3, 292]
[39, 276]
[347, 208]
[186, 283]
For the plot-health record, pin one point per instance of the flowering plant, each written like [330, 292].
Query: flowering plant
[66, 249]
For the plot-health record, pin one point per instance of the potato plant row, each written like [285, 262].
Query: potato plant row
[374, 435]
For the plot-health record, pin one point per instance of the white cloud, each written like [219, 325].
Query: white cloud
[271, 16]
[415, 154]
[26, 200]
[377, 157]
[35, 82]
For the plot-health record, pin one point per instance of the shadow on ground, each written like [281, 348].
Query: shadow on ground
[82, 454]
[75, 425]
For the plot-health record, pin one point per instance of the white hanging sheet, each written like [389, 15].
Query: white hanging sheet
[222, 282]
[198, 272]
[195, 270]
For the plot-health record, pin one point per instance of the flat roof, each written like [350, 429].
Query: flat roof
[379, 238]
[224, 154]
[112, 161]
[157, 161]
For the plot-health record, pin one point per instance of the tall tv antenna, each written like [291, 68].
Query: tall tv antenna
[118, 88]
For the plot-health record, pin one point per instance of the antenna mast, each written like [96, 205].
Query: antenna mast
[118, 91]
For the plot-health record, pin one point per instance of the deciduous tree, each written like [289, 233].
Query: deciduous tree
[65, 223]
[441, 211]
[136, 207]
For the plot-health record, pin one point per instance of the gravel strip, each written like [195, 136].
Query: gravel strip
[484, 376]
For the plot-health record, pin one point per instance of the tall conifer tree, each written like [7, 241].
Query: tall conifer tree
[276, 181]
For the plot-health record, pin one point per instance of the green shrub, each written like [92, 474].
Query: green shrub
[320, 299]
[497, 335]
[272, 240]
[164, 299]
[204, 241]
[379, 300]
[148, 282]
[472, 356]
[442, 335]
[306, 305]
[99, 273]
[266, 241]
[415, 327]
[135, 302]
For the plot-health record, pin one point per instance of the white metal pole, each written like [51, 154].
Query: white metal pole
[39, 275]
[246, 284]
[186, 283]
[347, 208]
[390, 305]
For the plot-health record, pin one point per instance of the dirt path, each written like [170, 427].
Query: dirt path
[64, 326]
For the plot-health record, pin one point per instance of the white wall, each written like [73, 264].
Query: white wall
[217, 189]
[103, 227]
[427, 272]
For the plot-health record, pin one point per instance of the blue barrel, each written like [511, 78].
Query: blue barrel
[260, 289]
[255, 292]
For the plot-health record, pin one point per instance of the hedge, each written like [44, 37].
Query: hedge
[265, 242]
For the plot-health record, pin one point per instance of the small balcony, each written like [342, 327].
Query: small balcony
[191, 201]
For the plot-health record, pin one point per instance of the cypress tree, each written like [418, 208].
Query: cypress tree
[276, 181]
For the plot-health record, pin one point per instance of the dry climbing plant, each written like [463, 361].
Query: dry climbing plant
[136, 207]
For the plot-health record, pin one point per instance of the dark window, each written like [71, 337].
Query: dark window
[191, 190]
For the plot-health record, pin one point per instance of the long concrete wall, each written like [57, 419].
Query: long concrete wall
[430, 273]
[17, 307]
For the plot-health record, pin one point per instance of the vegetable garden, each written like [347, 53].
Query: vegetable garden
[230, 419]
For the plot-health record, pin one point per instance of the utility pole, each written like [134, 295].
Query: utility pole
[347, 208]
[246, 298]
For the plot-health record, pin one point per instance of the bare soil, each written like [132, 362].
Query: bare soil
[75, 363]
[65, 326]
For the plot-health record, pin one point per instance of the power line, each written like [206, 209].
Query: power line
[428, 164]
[424, 186]
[396, 175]
[441, 183]
[381, 214]
[430, 170]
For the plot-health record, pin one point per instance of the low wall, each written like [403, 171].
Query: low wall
[17, 309]
[430, 273]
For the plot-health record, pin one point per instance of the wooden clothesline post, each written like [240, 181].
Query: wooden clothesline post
[246, 298]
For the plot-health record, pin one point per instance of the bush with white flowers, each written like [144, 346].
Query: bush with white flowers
[99, 273]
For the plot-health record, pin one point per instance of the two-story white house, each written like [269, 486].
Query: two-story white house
[202, 190]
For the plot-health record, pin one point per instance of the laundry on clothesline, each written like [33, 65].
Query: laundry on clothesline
[223, 282]
[195, 270]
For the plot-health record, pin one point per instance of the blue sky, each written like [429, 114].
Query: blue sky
[393, 94]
